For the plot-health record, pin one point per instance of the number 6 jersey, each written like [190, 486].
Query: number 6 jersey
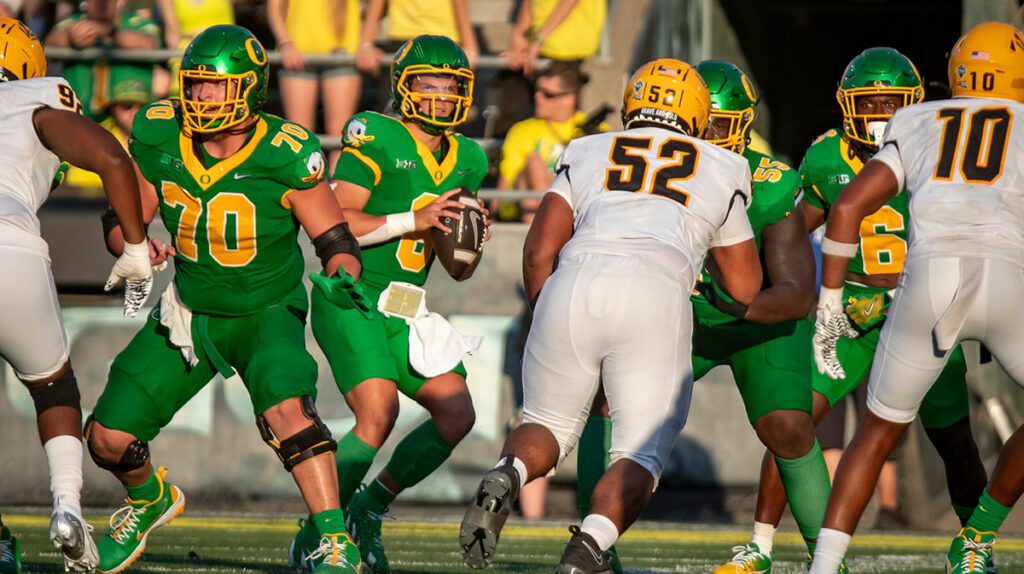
[231, 224]
[960, 162]
[651, 192]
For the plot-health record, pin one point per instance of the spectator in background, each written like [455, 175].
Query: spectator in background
[317, 27]
[410, 18]
[102, 24]
[184, 20]
[532, 146]
[563, 30]
[126, 97]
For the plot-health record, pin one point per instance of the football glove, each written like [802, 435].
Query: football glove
[133, 270]
[721, 300]
[830, 325]
[343, 291]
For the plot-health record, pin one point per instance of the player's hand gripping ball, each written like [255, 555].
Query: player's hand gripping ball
[461, 250]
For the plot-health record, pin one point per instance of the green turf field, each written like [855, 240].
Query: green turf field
[247, 544]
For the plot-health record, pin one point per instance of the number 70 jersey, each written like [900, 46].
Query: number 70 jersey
[962, 163]
[229, 218]
[651, 192]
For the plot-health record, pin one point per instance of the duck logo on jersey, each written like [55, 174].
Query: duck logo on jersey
[356, 135]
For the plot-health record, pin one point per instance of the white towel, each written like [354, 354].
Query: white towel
[178, 319]
[435, 346]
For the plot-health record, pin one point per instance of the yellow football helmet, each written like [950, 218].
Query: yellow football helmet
[670, 93]
[988, 62]
[21, 53]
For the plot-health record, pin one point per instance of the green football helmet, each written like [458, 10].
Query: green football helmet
[876, 71]
[228, 54]
[733, 103]
[438, 57]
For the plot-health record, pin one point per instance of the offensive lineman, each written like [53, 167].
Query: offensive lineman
[958, 161]
[41, 125]
[629, 218]
[232, 184]
[875, 84]
[396, 178]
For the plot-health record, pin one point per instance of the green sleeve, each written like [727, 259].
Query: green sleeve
[303, 169]
[477, 159]
[784, 197]
[358, 164]
[810, 181]
[154, 125]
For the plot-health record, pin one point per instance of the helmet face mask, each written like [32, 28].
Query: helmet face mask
[21, 53]
[876, 72]
[668, 93]
[223, 79]
[733, 105]
[432, 84]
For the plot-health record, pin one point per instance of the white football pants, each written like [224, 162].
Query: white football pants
[32, 337]
[623, 322]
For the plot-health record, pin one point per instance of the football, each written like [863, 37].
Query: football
[460, 251]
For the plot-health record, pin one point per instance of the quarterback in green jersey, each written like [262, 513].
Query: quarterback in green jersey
[395, 180]
[232, 185]
[874, 85]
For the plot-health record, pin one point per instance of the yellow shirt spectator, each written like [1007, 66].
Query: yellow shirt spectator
[546, 138]
[194, 17]
[315, 28]
[410, 18]
[578, 36]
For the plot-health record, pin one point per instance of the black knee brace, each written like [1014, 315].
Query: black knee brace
[312, 441]
[135, 456]
[60, 392]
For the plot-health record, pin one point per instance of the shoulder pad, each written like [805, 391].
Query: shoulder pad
[157, 123]
[293, 153]
[365, 127]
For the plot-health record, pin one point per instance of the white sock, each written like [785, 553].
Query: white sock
[763, 536]
[603, 530]
[64, 457]
[517, 464]
[829, 551]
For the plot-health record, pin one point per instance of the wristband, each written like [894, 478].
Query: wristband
[838, 248]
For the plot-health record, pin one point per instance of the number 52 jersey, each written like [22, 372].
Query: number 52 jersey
[654, 193]
[962, 162]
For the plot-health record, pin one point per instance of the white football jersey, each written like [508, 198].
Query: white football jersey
[27, 168]
[651, 192]
[962, 161]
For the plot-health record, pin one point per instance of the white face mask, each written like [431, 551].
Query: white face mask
[875, 131]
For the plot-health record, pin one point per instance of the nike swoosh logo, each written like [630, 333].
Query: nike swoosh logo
[462, 171]
[871, 307]
[241, 175]
[597, 556]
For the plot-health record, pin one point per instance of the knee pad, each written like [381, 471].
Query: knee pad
[135, 456]
[60, 392]
[309, 442]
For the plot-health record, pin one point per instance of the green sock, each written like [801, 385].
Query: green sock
[353, 458]
[420, 453]
[963, 513]
[591, 459]
[379, 497]
[807, 487]
[147, 491]
[989, 515]
[329, 521]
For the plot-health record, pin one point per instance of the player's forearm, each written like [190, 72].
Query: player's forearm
[536, 270]
[555, 19]
[374, 11]
[841, 231]
[780, 303]
[123, 193]
[363, 223]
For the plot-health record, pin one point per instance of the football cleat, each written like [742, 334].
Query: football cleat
[486, 515]
[337, 554]
[363, 524]
[10, 552]
[131, 524]
[970, 552]
[305, 543]
[612, 556]
[70, 533]
[582, 555]
[748, 559]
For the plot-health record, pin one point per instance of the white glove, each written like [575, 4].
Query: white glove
[133, 269]
[831, 323]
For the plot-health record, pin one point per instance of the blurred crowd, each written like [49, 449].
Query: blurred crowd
[533, 104]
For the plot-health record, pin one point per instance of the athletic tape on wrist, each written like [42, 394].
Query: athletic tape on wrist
[838, 248]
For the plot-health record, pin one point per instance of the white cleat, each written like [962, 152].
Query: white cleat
[70, 533]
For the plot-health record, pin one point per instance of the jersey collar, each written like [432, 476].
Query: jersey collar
[207, 177]
[438, 172]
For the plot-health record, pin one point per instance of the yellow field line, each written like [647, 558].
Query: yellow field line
[696, 536]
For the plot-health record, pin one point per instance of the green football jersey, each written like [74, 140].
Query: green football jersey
[831, 163]
[774, 186]
[381, 155]
[229, 219]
